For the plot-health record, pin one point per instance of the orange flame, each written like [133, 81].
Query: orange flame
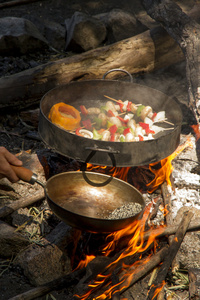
[118, 172]
[136, 245]
[163, 174]
[158, 290]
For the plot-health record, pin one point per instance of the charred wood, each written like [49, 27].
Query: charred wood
[194, 279]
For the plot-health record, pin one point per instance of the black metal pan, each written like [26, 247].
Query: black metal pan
[91, 94]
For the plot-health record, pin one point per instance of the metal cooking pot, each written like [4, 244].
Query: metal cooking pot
[91, 94]
[84, 206]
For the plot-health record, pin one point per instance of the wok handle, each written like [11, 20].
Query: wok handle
[118, 70]
[26, 175]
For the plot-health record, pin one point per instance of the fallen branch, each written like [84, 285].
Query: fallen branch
[24, 202]
[16, 2]
[173, 249]
[145, 52]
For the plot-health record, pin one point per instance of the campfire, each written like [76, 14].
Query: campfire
[136, 246]
[108, 264]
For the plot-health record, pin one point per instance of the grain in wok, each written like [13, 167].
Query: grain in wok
[125, 211]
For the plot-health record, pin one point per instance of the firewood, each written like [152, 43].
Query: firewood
[24, 202]
[173, 249]
[156, 50]
[11, 242]
[194, 288]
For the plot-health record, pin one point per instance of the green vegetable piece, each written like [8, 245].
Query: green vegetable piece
[103, 109]
[121, 129]
[139, 110]
[122, 139]
[109, 124]
[98, 122]
[96, 135]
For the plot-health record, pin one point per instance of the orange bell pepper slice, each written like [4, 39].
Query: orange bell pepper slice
[65, 116]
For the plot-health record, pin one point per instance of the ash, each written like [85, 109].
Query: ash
[125, 211]
[186, 179]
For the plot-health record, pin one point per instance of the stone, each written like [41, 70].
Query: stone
[44, 263]
[84, 32]
[120, 25]
[19, 36]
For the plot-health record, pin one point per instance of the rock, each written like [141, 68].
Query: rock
[55, 34]
[84, 32]
[19, 36]
[42, 264]
[120, 25]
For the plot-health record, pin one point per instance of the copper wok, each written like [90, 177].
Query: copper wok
[91, 94]
[85, 199]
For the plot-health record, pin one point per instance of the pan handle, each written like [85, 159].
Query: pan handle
[118, 70]
[26, 175]
[83, 169]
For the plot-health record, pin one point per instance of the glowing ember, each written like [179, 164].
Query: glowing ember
[196, 129]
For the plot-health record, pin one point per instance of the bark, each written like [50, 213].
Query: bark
[145, 52]
[186, 32]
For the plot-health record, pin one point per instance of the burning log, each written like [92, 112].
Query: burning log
[173, 249]
[156, 51]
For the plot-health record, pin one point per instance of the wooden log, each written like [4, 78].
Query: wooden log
[194, 279]
[24, 202]
[11, 242]
[16, 2]
[173, 249]
[146, 52]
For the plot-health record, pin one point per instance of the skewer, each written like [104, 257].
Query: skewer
[165, 121]
[118, 100]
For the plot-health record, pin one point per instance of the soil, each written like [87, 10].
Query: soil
[16, 135]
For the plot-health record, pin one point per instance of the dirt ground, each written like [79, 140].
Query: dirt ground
[171, 81]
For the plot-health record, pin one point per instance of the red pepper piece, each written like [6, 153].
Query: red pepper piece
[145, 126]
[87, 124]
[113, 129]
[126, 130]
[154, 115]
[112, 138]
[124, 122]
[77, 131]
[110, 113]
[121, 104]
[140, 138]
[129, 106]
[83, 110]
